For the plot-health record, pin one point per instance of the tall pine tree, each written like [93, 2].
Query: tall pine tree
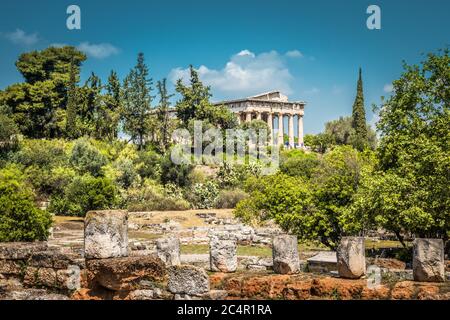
[71, 107]
[163, 115]
[137, 102]
[113, 100]
[359, 116]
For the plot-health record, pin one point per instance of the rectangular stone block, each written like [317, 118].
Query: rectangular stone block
[223, 255]
[285, 254]
[106, 234]
[187, 279]
[351, 257]
[428, 260]
[20, 250]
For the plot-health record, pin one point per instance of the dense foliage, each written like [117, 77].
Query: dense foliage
[20, 219]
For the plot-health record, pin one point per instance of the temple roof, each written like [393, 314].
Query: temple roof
[271, 96]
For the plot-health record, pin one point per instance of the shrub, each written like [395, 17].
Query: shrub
[85, 158]
[20, 219]
[203, 195]
[298, 163]
[152, 196]
[85, 193]
[175, 173]
[8, 134]
[41, 153]
[228, 199]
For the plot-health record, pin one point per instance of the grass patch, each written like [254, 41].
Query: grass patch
[371, 244]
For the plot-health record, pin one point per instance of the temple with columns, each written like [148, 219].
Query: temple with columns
[272, 107]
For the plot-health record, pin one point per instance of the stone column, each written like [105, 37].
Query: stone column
[258, 115]
[428, 260]
[291, 131]
[280, 128]
[168, 250]
[270, 124]
[285, 254]
[248, 116]
[238, 117]
[106, 234]
[351, 258]
[300, 131]
[222, 255]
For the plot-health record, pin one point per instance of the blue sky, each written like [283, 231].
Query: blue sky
[310, 50]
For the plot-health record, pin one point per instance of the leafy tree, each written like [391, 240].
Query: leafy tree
[342, 132]
[359, 116]
[85, 158]
[137, 102]
[85, 193]
[408, 192]
[314, 209]
[320, 142]
[20, 219]
[195, 104]
[8, 135]
[38, 105]
[298, 163]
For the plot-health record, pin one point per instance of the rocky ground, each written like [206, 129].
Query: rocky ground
[142, 276]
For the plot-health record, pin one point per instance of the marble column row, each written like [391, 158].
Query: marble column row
[280, 131]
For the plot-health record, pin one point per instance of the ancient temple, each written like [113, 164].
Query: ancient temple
[271, 107]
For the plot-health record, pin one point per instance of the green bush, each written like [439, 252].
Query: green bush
[153, 197]
[20, 219]
[8, 134]
[86, 158]
[41, 153]
[228, 199]
[298, 163]
[175, 173]
[203, 195]
[85, 193]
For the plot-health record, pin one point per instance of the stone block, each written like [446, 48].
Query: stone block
[106, 234]
[285, 254]
[189, 280]
[428, 260]
[168, 250]
[223, 255]
[351, 260]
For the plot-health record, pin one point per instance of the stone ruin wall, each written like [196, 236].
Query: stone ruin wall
[106, 270]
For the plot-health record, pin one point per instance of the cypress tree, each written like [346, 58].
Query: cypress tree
[137, 102]
[359, 116]
[163, 114]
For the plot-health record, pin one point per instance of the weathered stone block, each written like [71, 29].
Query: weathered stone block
[125, 273]
[285, 254]
[106, 234]
[168, 250]
[351, 260]
[186, 279]
[12, 267]
[223, 255]
[20, 250]
[38, 277]
[428, 260]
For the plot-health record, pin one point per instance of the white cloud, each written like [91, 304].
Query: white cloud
[294, 54]
[245, 74]
[99, 51]
[388, 88]
[21, 37]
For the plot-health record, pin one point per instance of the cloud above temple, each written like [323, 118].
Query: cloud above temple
[245, 74]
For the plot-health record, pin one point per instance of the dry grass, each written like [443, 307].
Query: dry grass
[186, 218]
